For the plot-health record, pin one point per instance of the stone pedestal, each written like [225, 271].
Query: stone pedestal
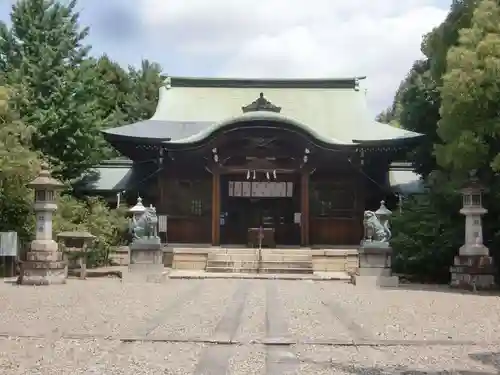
[44, 265]
[375, 266]
[473, 272]
[146, 260]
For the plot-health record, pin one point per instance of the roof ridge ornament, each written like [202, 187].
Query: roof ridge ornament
[261, 104]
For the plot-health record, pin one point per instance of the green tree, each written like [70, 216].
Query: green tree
[470, 107]
[417, 101]
[92, 215]
[427, 235]
[144, 95]
[116, 90]
[18, 165]
[45, 60]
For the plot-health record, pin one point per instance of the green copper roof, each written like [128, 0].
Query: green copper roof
[111, 175]
[332, 110]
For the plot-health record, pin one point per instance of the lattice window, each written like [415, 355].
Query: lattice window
[196, 207]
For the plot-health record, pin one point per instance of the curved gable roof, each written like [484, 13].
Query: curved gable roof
[333, 111]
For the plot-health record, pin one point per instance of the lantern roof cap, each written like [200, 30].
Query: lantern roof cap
[45, 180]
[139, 207]
[383, 210]
[472, 184]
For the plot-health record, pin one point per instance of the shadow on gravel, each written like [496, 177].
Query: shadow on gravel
[489, 359]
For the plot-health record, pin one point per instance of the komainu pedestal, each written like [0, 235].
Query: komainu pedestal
[146, 260]
[375, 266]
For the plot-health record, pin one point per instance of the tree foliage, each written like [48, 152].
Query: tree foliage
[425, 240]
[452, 97]
[94, 216]
[45, 60]
[18, 165]
[63, 98]
[470, 124]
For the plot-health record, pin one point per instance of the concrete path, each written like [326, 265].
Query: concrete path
[244, 326]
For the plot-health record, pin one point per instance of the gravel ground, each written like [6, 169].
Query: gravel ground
[109, 327]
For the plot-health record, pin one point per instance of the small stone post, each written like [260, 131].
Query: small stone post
[44, 264]
[473, 267]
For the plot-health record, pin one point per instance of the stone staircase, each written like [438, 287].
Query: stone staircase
[286, 261]
[233, 260]
[269, 261]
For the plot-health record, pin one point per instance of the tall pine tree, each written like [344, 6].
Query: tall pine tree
[44, 58]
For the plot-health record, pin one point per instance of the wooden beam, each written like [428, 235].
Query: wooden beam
[215, 207]
[304, 207]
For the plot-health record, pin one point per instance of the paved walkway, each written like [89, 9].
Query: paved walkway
[241, 327]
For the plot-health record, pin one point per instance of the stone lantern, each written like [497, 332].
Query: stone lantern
[383, 214]
[473, 267]
[138, 209]
[44, 264]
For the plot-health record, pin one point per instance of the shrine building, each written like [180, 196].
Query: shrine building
[302, 158]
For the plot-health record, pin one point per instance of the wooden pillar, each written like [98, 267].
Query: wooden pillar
[216, 207]
[160, 203]
[304, 208]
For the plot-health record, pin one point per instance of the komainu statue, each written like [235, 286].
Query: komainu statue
[376, 230]
[146, 225]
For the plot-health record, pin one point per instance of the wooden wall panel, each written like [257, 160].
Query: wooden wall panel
[335, 231]
[189, 230]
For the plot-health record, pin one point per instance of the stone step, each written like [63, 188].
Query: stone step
[280, 270]
[286, 265]
[230, 270]
[231, 263]
[286, 258]
[232, 257]
[287, 251]
[234, 251]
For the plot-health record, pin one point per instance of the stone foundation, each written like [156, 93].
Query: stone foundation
[472, 272]
[44, 265]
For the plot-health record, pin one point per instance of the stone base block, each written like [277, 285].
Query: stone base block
[374, 257]
[146, 252]
[150, 273]
[41, 276]
[472, 282]
[374, 271]
[146, 256]
[45, 257]
[49, 246]
[473, 250]
[473, 272]
[376, 281]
